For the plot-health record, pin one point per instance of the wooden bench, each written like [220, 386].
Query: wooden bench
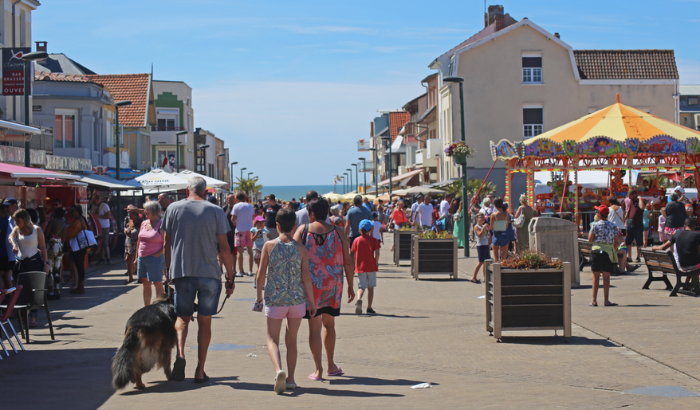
[665, 263]
[584, 253]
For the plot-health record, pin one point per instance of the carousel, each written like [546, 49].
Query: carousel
[619, 139]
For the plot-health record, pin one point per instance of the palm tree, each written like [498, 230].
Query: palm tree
[473, 184]
[248, 185]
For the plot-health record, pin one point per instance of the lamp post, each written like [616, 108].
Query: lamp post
[242, 169]
[249, 174]
[357, 179]
[201, 157]
[466, 205]
[374, 172]
[177, 148]
[27, 59]
[350, 173]
[118, 104]
[364, 169]
[230, 177]
[345, 175]
[218, 173]
[388, 139]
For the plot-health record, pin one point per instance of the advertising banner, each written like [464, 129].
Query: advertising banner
[13, 70]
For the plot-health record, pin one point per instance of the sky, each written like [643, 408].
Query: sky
[291, 86]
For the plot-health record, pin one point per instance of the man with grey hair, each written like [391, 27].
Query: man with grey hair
[195, 232]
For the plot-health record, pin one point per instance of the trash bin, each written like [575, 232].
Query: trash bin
[557, 238]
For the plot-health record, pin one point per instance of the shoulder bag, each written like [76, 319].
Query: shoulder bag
[83, 240]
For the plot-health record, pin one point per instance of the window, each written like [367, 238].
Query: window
[64, 128]
[532, 122]
[169, 154]
[166, 124]
[211, 171]
[693, 101]
[532, 70]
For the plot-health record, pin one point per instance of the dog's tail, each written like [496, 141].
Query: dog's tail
[124, 361]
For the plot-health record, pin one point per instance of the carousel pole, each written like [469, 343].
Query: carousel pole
[563, 192]
[576, 198]
[531, 187]
[509, 180]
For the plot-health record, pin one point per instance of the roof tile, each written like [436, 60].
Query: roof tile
[397, 119]
[626, 64]
[45, 76]
[132, 87]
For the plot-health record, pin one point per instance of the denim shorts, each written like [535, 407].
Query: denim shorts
[205, 290]
[500, 238]
[151, 268]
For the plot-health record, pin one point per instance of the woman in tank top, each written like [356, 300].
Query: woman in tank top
[151, 253]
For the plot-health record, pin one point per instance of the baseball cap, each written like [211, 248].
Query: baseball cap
[678, 188]
[10, 201]
[259, 218]
[366, 225]
[604, 211]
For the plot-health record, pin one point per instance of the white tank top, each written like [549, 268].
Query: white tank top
[617, 217]
[28, 245]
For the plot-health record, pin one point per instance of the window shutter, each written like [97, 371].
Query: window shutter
[532, 116]
[532, 62]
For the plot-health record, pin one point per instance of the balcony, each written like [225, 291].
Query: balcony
[434, 148]
[164, 128]
[363, 145]
[423, 160]
[411, 129]
[367, 166]
[166, 135]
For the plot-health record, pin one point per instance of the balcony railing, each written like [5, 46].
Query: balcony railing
[363, 145]
[366, 166]
[42, 142]
[157, 128]
[411, 128]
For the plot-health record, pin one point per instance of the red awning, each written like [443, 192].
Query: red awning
[25, 174]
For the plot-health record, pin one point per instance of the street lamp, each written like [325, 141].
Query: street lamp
[242, 169]
[374, 172]
[27, 58]
[466, 205]
[230, 177]
[177, 148]
[249, 174]
[350, 169]
[345, 175]
[201, 157]
[218, 174]
[387, 138]
[357, 179]
[364, 168]
[118, 104]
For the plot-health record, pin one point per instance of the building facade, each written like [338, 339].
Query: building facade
[174, 114]
[690, 106]
[205, 142]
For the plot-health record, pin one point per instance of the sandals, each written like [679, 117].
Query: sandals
[314, 378]
[280, 382]
[32, 324]
[178, 373]
[337, 372]
[202, 380]
[611, 304]
[593, 305]
[477, 281]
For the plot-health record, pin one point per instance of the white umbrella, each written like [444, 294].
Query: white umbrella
[158, 181]
[424, 190]
[211, 182]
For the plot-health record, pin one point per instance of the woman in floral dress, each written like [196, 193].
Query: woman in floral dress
[329, 259]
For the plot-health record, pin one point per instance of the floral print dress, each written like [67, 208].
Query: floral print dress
[283, 286]
[326, 269]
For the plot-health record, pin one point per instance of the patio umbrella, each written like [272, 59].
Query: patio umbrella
[385, 198]
[332, 196]
[211, 182]
[425, 190]
[158, 181]
[401, 192]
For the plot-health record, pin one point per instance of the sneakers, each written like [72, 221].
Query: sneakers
[280, 382]
[371, 311]
[358, 307]
[251, 274]
[238, 275]
[109, 261]
[101, 261]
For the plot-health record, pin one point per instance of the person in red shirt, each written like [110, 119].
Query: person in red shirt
[365, 264]
[398, 217]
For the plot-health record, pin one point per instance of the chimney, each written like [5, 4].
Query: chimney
[41, 46]
[499, 22]
[490, 16]
[557, 35]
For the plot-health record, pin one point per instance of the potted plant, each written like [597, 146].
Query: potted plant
[459, 151]
[434, 253]
[402, 244]
[528, 292]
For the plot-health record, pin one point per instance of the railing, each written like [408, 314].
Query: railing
[363, 145]
[366, 166]
[411, 128]
[157, 128]
[42, 142]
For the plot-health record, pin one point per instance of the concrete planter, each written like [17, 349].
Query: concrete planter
[528, 299]
[402, 246]
[434, 257]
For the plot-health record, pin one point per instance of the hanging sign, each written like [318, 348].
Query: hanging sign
[13, 70]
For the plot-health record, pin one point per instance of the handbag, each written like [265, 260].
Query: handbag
[519, 221]
[83, 240]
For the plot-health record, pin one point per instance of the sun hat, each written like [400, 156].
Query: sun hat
[366, 225]
[680, 188]
[603, 210]
[259, 218]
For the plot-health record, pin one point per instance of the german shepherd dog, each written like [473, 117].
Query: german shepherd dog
[148, 341]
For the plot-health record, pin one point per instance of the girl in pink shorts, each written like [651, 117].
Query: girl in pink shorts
[284, 275]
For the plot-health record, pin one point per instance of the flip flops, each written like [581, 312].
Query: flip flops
[337, 372]
[611, 304]
[314, 378]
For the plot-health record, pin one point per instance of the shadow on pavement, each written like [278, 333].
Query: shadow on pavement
[390, 316]
[165, 386]
[373, 381]
[309, 390]
[555, 340]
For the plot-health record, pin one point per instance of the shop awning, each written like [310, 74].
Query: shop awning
[22, 174]
[13, 129]
[104, 182]
[399, 178]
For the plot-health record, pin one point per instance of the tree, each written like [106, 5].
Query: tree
[248, 185]
[473, 184]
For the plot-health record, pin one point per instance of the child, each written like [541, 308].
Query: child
[645, 221]
[365, 265]
[260, 236]
[285, 264]
[481, 230]
[662, 225]
[377, 233]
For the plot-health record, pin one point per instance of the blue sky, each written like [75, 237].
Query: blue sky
[291, 86]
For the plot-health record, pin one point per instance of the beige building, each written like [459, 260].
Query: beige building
[174, 113]
[521, 81]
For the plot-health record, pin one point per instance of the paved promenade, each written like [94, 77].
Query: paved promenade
[426, 331]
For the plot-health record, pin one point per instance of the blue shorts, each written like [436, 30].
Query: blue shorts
[483, 252]
[500, 238]
[151, 268]
[206, 290]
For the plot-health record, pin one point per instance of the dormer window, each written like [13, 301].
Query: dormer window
[532, 70]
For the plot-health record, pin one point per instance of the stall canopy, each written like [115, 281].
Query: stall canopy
[158, 181]
[19, 175]
[399, 178]
[104, 182]
[211, 182]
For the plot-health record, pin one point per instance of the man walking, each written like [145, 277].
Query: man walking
[164, 201]
[103, 215]
[368, 205]
[444, 211]
[634, 222]
[242, 216]
[425, 216]
[193, 229]
[231, 235]
[303, 214]
[355, 215]
[414, 211]
[271, 209]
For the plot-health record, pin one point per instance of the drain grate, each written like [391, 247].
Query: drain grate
[663, 391]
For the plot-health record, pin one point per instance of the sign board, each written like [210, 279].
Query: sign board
[13, 70]
[36, 108]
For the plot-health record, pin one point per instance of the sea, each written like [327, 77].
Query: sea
[285, 193]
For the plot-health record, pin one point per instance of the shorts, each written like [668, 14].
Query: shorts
[286, 312]
[326, 310]
[600, 262]
[483, 253]
[636, 234]
[244, 240]
[6, 264]
[206, 290]
[151, 268]
[231, 239]
[500, 238]
[367, 280]
[670, 231]
[256, 252]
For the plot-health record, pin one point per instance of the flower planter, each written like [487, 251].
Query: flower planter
[527, 299]
[460, 159]
[434, 257]
[402, 246]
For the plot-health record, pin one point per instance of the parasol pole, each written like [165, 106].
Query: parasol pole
[563, 193]
[482, 185]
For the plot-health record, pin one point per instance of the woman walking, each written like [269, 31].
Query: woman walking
[132, 226]
[459, 225]
[499, 222]
[327, 248]
[523, 233]
[605, 239]
[77, 257]
[28, 244]
[54, 234]
[151, 252]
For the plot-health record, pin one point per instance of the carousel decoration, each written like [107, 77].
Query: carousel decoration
[617, 139]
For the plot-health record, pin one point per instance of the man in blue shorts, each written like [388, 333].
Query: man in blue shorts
[193, 229]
